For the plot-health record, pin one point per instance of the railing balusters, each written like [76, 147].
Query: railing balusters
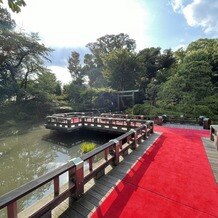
[117, 151]
[90, 164]
[69, 122]
[56, 186]
[106, 152]
[135, 139]
[78, 177]
[12, 210]
[145, 133]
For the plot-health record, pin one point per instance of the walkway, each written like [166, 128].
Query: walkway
[172, 179]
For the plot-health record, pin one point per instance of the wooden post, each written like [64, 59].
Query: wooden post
[116, 153]
[128, 124]
[106, 152]
[56, 186]
[152, 126]
[56, 121]
[145, 133]
[95, 121]
[90, 164]
[110, 123]
[128, 139]
[135, 138]
[78, 177]
[69, 122]
[12, 210]
[83, 120]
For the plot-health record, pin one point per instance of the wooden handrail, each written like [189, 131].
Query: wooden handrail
[97, 150]
[18, 193]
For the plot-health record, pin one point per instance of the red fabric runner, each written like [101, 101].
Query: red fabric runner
[172, 179]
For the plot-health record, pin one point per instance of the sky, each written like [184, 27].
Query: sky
[68, 25]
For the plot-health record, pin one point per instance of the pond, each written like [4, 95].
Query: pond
[29, 153]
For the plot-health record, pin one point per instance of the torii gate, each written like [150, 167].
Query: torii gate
[127, 93]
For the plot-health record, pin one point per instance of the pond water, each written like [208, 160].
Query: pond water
[29, 153]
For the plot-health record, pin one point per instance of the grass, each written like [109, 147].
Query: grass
[87, 146]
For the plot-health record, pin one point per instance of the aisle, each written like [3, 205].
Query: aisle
[172, 179]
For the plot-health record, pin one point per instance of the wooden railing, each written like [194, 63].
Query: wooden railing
[157, 119]
[126, 116]
[104, 123]
[78, 176]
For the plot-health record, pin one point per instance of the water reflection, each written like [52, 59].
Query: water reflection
[24, 157]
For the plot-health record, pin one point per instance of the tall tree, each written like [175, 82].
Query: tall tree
[100, 49]
[150, 61]
[207, 49]
[120, 69]
[93, 72]
[75, 68]
[21, 58]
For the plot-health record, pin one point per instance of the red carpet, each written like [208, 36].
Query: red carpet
[172, 179]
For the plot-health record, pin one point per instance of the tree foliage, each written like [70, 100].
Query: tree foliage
[21, 59]
[75, 68]
[95, 62]
[193, 80]
[180, 80]
[15, 5]
[119, 65]
[23, 74]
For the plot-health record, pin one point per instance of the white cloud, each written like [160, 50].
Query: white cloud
[74, 23]
[199, 13]
[177, 5]
[203, 13]
[62, 74]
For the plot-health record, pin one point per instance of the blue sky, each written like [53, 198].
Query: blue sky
[69, 25]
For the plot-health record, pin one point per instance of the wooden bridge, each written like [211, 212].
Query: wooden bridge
[69, 123]
[135, 131]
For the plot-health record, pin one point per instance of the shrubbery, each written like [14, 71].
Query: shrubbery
[87, 146]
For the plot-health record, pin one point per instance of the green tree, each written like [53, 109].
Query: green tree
[46, 83]
[207, 50]
[73, 92]
[6, 23]
[58, 89]
[15, 5]
[93, 72]
[75, 68]
[108, 43]
[152, 91]
[148, 62]
[171, 92]
[179, 55]
[120, 69]
[188, 86]
[21, 59]
[94, 63]
[153, 69]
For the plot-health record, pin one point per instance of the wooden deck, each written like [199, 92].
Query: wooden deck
[212, 155]
[97, 190]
